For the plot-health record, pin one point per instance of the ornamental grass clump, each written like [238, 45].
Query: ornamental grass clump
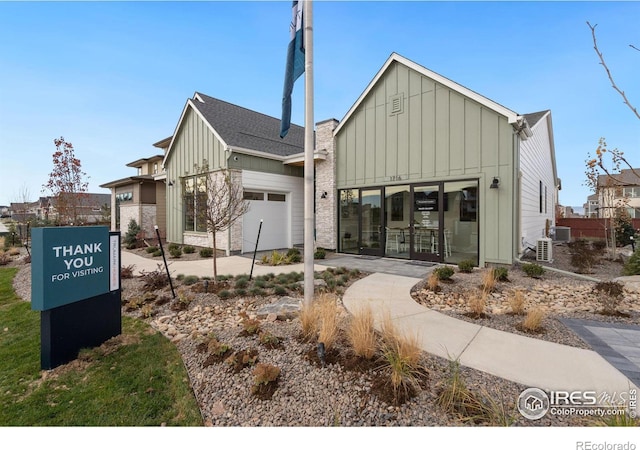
[433, 282]
[308, 321]
[516, 302]
[610, 294]
[402, 360]
[327, 317]
[361, 333]
[477, 304]
[489, 281]
[533, 320]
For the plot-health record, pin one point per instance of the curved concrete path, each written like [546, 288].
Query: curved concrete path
[528, 361]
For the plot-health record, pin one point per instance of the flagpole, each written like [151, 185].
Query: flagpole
[309, 194]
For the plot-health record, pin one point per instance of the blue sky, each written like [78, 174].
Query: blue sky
[113, 77]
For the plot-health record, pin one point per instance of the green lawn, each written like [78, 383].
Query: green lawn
[139, 382]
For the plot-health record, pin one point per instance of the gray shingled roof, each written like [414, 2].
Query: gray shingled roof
[243, 128]
[626, 177]
[533, 118]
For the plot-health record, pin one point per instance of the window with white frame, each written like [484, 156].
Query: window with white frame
[195, 203]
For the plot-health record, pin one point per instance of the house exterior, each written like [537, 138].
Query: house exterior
[213, 138]
[591, 207]
[424, 168]
[619, 191]
[419, 168]
[141, 197]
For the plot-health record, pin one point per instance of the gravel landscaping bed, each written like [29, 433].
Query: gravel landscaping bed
[341, 394]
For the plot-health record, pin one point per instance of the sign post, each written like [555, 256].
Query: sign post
[75, 283]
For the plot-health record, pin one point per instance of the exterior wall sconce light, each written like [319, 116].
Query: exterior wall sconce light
[495, 183]
[324, 194]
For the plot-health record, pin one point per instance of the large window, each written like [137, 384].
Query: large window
[195, 203]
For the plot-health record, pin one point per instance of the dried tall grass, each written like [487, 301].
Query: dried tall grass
[489, 280]
[433, 282]
[309, 321]
[533, 320]
[516, 302]
[327, 316]
[362, 334]
[402, 355]
[478, 303]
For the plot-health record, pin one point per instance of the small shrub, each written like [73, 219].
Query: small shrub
[188, 249]
[146, 311]
[217, 348]
[632, 266]
[126, 271]
[206, 252]
[362, 334]
[294, 256]
[151, 249]
[13, 251]
[501, 273]
[175, 252]
[239, 292]
[250, 326]
[4, 258]
[610, 295]
[257, 292]
[444, 273]
[157, 253]
[173, 246]
[466, 266]
[533, 320]
[180, 277]
[533, 270]
[269, 339]
[320, 253]
[599, 245]
[224, 294]
[264, 374]
[130, 239]
[154, 280]
[516, 302]
[241, 283]
[279, 290]
[583, 258]
[190, 279]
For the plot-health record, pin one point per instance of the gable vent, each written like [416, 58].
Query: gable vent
[396, 104]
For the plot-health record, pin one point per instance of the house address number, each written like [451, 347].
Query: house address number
[395, 178]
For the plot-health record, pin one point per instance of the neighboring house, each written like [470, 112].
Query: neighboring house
[141, 197]
[219, 136]
[90, 209]
[619, 191]
[427, 169]
[592, 207]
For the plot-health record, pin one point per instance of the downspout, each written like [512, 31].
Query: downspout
[229, 151]
[516, 199]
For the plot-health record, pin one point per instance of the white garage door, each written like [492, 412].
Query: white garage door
[273, 209]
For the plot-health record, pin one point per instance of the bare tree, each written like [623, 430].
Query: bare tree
[221, 206]
[597, 163]
[67, 182]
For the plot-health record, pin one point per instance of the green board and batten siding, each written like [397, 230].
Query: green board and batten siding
[437, 135]
[194, 144]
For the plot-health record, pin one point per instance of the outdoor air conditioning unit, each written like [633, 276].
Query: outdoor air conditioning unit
[544, 250]
[563, 234]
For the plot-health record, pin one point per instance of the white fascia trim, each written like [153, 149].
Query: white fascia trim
[160, 176]
[511, 116]
[247, 151]
[184, 112]
[299, 157]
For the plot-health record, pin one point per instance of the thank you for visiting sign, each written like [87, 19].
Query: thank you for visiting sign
[75, 284]
[69, 264]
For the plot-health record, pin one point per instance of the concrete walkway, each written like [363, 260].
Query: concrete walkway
[528, 361]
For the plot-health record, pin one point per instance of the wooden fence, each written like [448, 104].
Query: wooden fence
[589, 228]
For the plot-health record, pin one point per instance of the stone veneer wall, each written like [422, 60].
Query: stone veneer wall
[326, 208]
[146, 222]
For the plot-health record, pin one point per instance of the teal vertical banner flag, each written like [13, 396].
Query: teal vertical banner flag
[295, 65]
